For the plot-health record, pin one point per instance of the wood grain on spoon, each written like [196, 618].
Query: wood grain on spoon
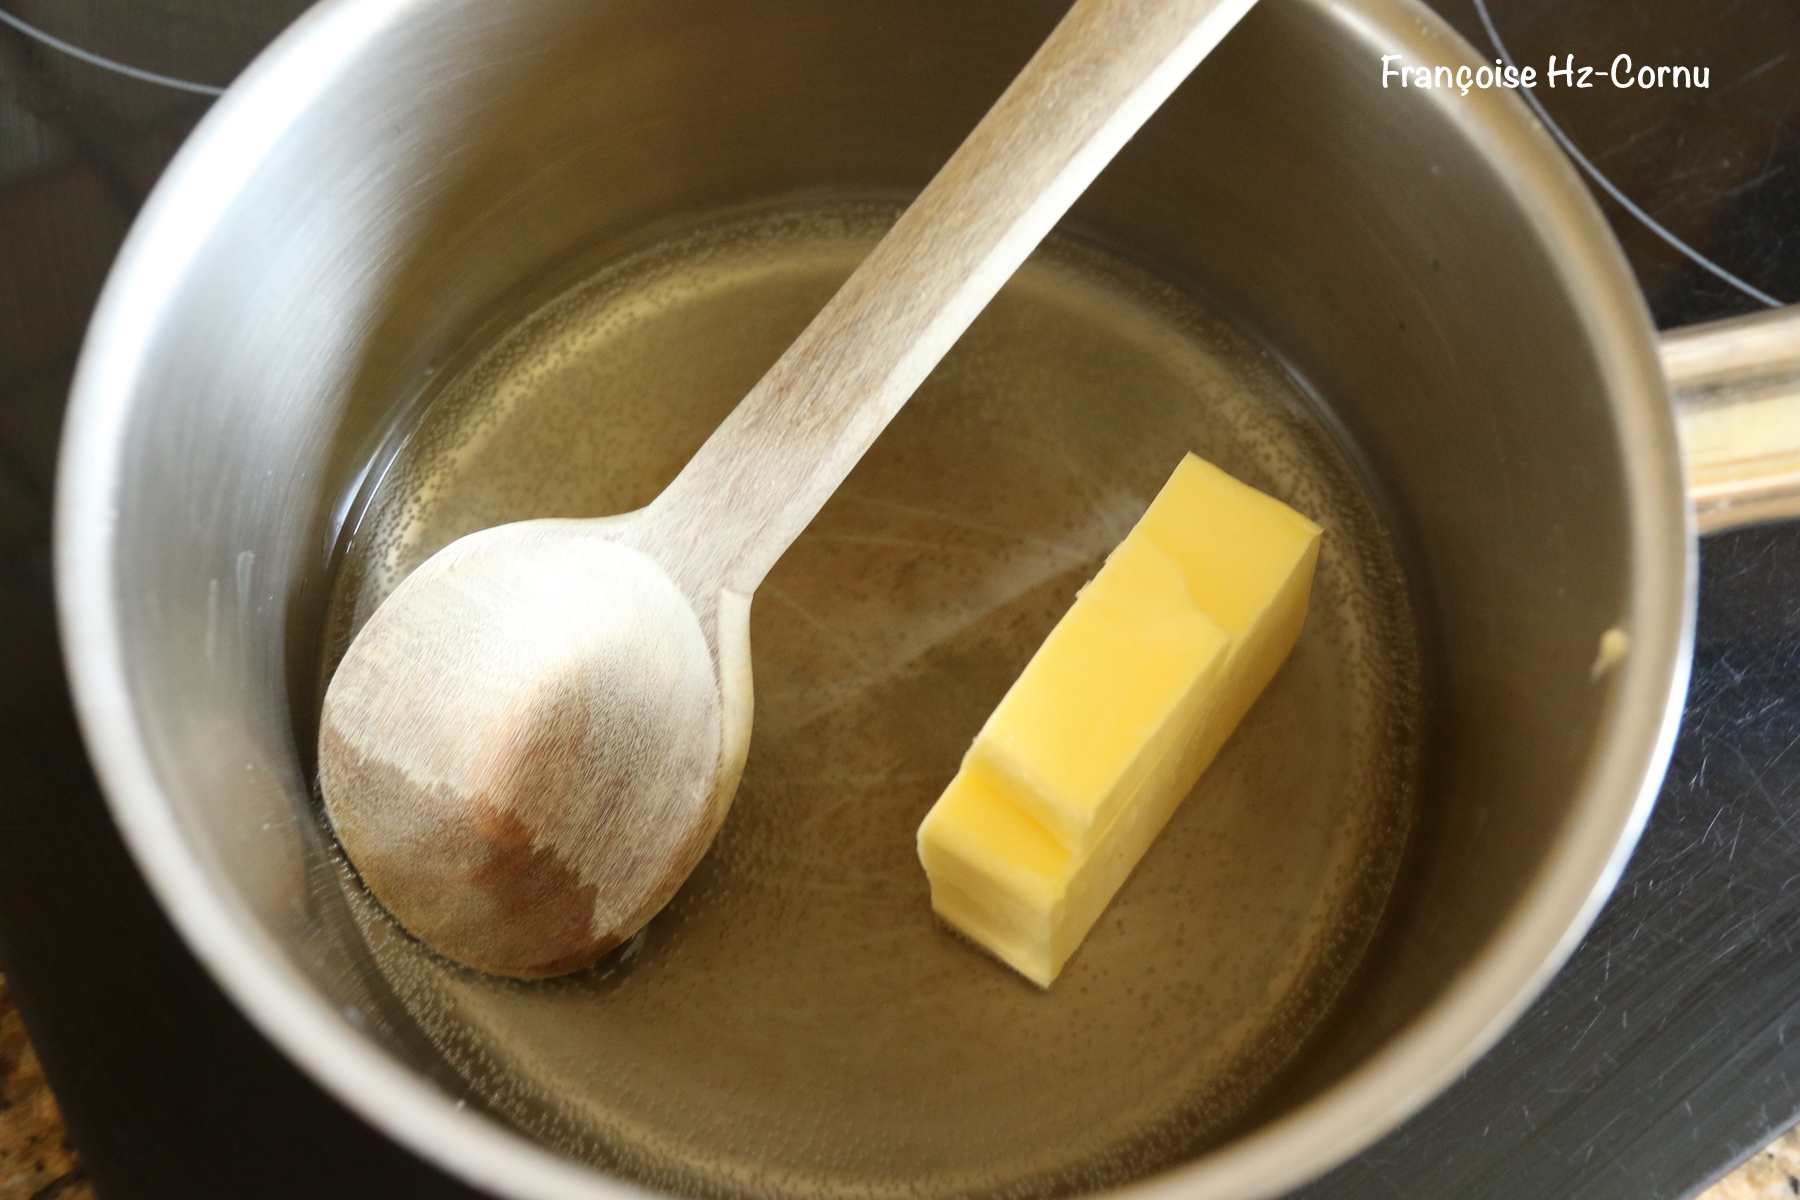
[533, 741]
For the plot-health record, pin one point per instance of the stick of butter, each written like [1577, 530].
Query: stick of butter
[1116, 716]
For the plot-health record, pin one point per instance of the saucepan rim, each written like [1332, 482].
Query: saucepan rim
[1618, 788]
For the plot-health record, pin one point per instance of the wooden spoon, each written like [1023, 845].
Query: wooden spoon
[532, 742]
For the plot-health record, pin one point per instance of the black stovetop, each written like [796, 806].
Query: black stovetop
[1658, 1058]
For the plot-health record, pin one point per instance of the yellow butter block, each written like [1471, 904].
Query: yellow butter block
[1116, 716]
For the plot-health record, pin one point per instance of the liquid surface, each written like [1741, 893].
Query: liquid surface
[797, 1023]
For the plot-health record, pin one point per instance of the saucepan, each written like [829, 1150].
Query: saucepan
[432, 264]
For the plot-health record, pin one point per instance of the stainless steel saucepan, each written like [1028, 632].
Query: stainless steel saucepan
[434, 264]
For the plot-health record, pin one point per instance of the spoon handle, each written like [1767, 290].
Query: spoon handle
[770, 466]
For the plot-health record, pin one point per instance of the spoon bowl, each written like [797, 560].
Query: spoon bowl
[530, 744]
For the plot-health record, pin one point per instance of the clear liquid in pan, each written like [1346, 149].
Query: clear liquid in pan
[797, 1023]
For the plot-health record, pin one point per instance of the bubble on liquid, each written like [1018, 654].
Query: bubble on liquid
[796, 1023]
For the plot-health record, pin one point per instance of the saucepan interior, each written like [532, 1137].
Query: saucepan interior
[435, 266]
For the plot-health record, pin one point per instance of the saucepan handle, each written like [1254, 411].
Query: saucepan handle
[1736, 387]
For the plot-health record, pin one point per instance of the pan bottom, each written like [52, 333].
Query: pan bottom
[797, 1023]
